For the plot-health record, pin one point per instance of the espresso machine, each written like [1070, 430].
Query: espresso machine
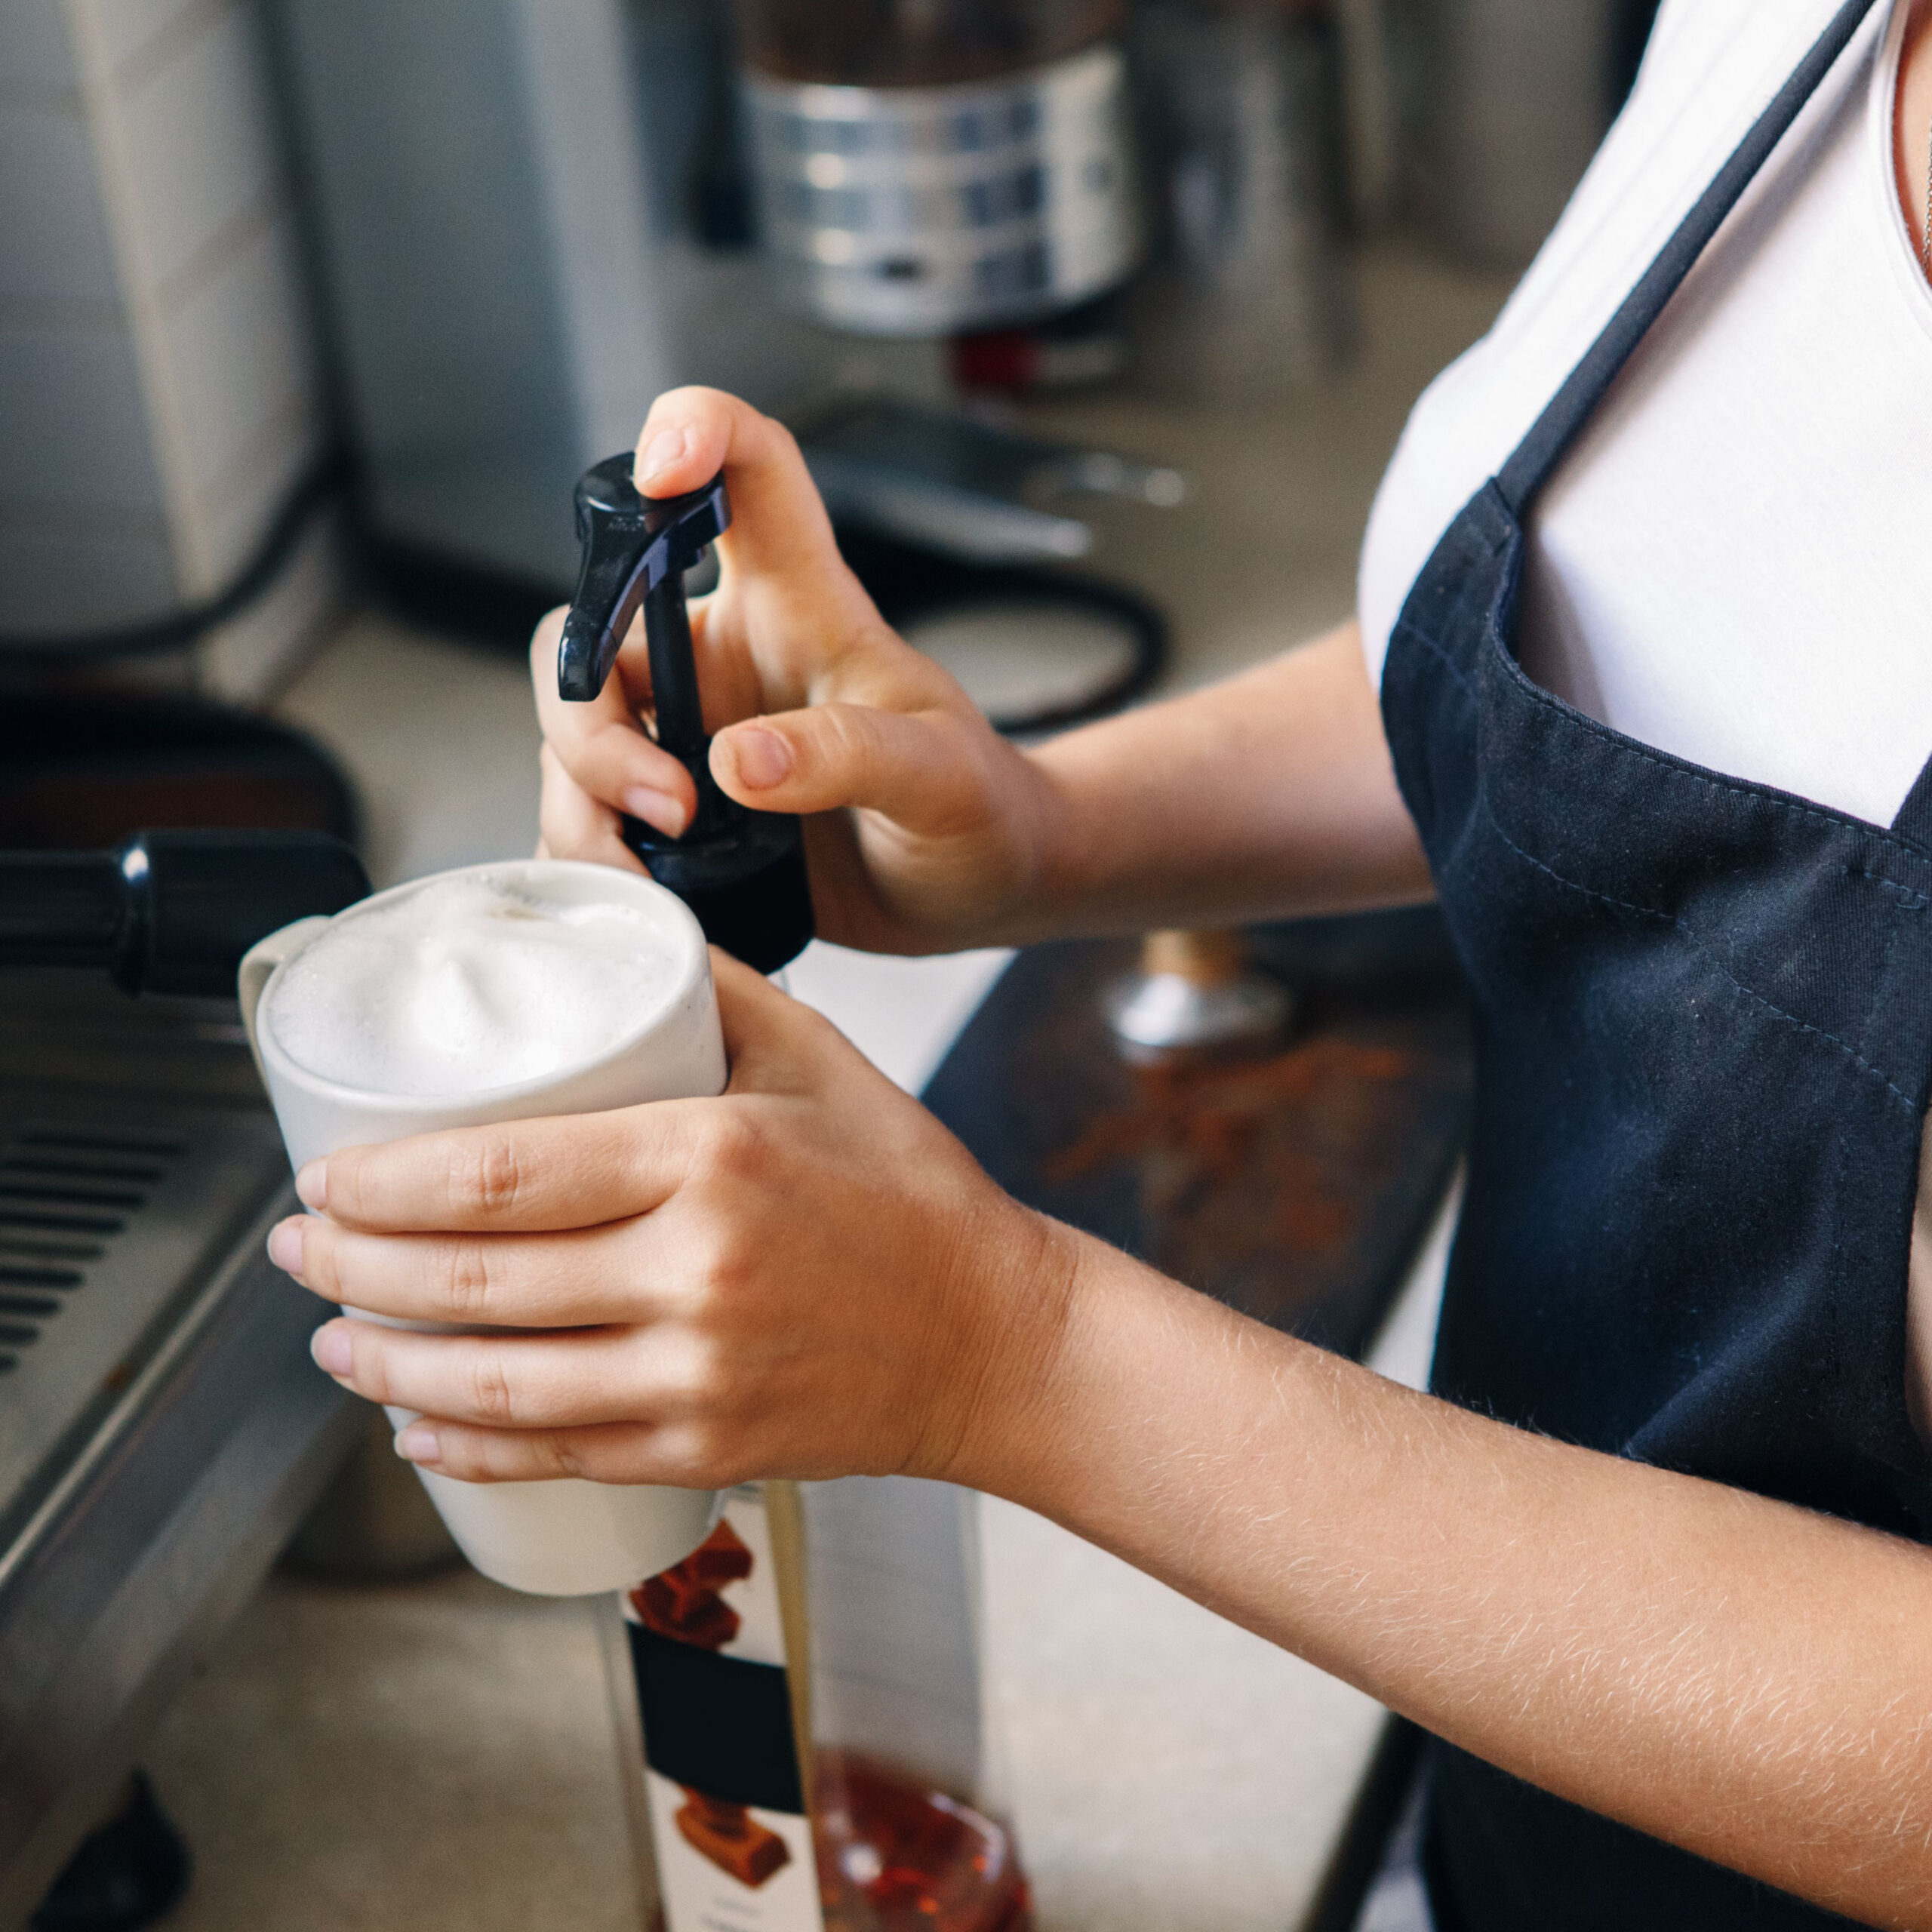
[162, 1428]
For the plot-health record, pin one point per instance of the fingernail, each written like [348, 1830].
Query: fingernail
[418, 1443]
[311, 1185]
[660, 809]
[764, 759]
[664, 450]
[331, 1347]
[285, 1246]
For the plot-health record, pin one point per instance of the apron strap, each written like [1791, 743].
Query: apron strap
[1526, 473]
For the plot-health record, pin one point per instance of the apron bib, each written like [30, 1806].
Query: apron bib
[1704, 1022]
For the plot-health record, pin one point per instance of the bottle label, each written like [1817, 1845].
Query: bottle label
[729, 1830]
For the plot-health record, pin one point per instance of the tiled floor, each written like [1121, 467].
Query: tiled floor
[400, 1759]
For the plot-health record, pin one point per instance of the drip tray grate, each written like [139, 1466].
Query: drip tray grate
[48, 1174]
[110, 1215]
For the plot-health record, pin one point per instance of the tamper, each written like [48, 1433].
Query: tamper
[742, 871]
[1196, 993]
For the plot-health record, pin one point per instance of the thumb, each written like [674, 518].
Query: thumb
[924, 770]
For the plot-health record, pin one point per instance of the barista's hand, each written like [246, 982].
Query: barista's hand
[807, 1277]
[925, 832]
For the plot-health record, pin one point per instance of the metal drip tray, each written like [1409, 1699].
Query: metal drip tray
[107, 1216]
[161, 1427]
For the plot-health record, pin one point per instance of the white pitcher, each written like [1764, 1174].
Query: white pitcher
[566, 1537]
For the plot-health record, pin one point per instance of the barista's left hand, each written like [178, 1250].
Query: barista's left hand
[808, 1276]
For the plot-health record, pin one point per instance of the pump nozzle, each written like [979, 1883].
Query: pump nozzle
[743, 873]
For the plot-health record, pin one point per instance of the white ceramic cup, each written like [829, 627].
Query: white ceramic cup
[565, 1538]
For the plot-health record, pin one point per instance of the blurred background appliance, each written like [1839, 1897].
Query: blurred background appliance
[977, 490]
[925, 166]
[1502, 102]
[525, 218]
[531, 218]
[1242, 105]
[162, 418]
[961, 530]
[86, 767]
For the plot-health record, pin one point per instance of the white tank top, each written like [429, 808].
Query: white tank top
[1734, 563]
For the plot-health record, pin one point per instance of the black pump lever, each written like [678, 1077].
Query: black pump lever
[169, 912]
[636, 550]
[742, 871]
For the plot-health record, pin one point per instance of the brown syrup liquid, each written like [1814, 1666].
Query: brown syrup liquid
[895, 1856]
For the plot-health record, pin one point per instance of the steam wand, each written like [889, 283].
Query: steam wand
[742, 871]
[169, 912]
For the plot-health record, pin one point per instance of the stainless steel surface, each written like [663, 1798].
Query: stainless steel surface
[1518, 95]
[107, 1215]
[503, 191]
[920, 211]
[968, 488]
[162, 1426]
[375, 1522]
[1252, 293]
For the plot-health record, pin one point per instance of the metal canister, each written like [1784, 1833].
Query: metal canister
[1508, 101]
[1251, 294]
[939, 173]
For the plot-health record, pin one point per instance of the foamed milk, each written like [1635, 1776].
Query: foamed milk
[473, 982]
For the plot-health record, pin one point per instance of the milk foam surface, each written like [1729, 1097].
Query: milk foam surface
[471, 984]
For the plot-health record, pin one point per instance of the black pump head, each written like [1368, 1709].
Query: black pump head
[632, 546]
[742, 871]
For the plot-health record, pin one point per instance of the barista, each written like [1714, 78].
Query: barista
[1653, 714]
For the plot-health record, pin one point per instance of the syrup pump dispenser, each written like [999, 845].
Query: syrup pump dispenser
[742, 871]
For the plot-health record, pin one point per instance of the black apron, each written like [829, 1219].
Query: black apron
[1704, 1016]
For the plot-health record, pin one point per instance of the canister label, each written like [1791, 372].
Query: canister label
[730, 1833]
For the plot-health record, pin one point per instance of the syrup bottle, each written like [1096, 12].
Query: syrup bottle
[799, 1698]
[801, 1701]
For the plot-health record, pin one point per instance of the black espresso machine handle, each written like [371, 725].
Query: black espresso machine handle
[169, 912]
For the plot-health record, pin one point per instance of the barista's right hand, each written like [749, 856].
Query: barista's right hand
[925, 830]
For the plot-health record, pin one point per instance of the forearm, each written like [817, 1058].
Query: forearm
[1268, 795]
[1745, 1679]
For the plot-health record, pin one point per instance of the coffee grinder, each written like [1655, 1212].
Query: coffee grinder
[930, 166]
